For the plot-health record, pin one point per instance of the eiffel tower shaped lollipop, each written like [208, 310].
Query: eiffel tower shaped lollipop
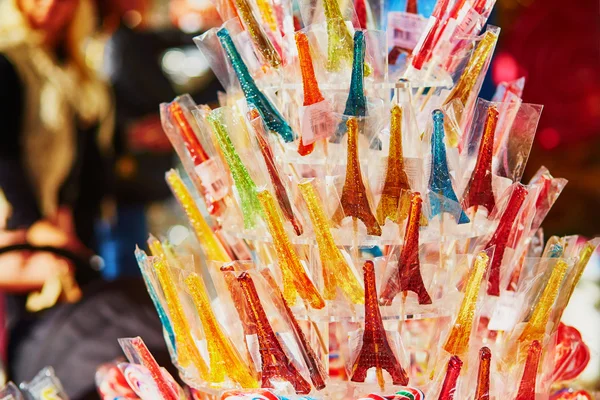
[395, 200]
[275, 363]
[375, 351]
[442, 196]
[407, 277]
[257, 99]
[354, 201]
[479, 190]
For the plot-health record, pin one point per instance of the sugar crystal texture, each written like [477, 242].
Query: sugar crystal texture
[395, 199]
[187, 352]
[224, 358]
[375, 350]
[443, 198]
[458, 340]
[272, 117]
[337, 273]
[529, 379]
[315, 368]
[463, 88]
[274, 174]
[451, 379]
[479, 190]
[257, 34]
[275, 363]
[339, 39]
[244, 184]
[354, 200]
[500, 237]
[295, 279]
[407, 276]
[482, 391]
[535, 328]
[213, 249]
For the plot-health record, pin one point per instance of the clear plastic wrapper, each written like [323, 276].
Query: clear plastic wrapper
[44, 385]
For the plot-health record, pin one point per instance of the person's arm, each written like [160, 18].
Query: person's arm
[20, 271]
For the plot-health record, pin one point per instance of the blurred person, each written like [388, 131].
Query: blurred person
[55, 148]
[135, 42]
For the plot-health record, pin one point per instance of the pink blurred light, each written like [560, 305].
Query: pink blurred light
[505, 68]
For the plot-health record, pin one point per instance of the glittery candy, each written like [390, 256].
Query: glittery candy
[339, 39]
[272, 117]
[280, 191]
[142, 259]
[451, 379]
[458, 340]
[237, 297]
[356, 104]
[224, 358]
[375, 350]
[501, 235]
[535, 328]
[312, 93]
[463, 88]
[354, 201]
[274, 361]
[573, 278]
[336, 271]
[315, 368]
[482, 391]
[261, 42]
[479, 189]
[528, 381]
[395, 199]
[244, 184]
[213, 249]
[187, 352]
[443, 197]
[268, 14]
[295, 279]
[192, 144]
[407, 276]
[144, 357]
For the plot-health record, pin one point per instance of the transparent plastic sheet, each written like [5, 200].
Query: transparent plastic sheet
[44, 384]
[375, 56]
[505, 90]
[10, 392]
[475, 70]
[550, 189]
[158, 299]
[511, 158]
[404, 29]
[198, 155]
[470, 22]
[191, 354]
[209, 46]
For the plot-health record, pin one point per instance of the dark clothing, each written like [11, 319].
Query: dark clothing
[13, 181]
[76, 338]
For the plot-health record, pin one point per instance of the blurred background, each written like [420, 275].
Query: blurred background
[144, 49]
